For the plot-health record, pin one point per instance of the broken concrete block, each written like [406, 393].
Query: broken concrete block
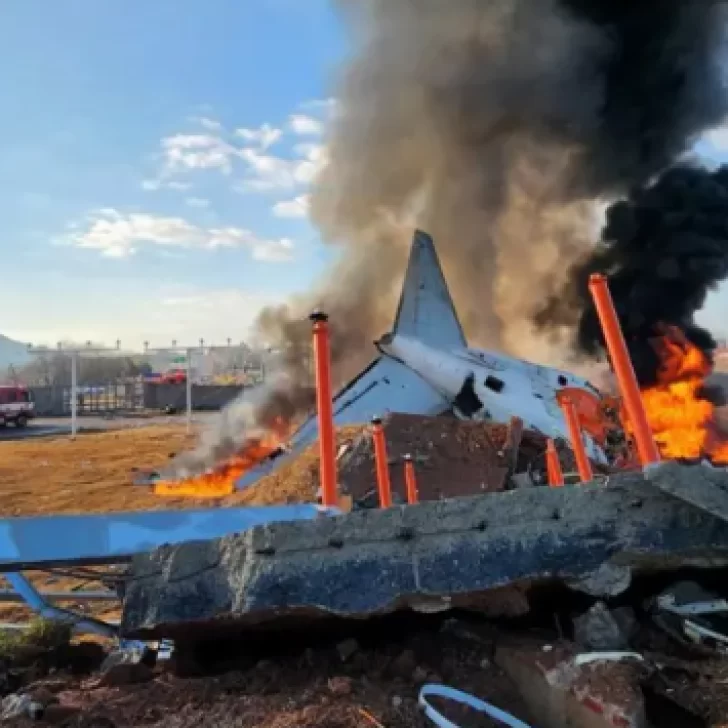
[597, 629]
[442, 554]
[562, 693]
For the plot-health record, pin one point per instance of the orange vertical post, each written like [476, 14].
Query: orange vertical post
[622, 364]
[577, 440]
[324, 405]
[553, 466]
[384, 483]
[410, 480]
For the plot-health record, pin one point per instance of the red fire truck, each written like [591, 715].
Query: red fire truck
[16, 406]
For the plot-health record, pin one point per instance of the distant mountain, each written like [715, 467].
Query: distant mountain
[13, 352]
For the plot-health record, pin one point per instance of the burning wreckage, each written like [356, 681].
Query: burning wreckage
[637, 510]
[637, 515]
[643, 505]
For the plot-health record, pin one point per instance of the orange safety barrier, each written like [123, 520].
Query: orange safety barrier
[384, 484]
[590, 410]
[577, 441]
[624, 370]
[325, 407]
[410, 480]
[553, 466]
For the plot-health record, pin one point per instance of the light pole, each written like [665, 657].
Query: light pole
[74, 352]
[188, 351]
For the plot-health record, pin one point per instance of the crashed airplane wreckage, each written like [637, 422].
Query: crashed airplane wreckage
[485, 552]
[425, 367]
[233, 569]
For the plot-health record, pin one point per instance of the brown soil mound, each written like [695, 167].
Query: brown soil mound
[451, 457]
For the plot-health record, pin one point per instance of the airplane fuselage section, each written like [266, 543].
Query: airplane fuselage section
[484, 385]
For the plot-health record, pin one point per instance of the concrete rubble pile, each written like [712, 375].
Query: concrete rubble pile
[452, 458]
[607, 552]
[588, 605]
[486, 551]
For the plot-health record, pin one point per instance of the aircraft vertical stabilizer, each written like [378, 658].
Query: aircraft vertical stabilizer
[426, 311]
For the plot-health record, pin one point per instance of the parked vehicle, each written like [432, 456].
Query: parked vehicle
[174, 376]
[16, 406]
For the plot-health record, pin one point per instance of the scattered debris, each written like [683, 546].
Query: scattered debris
[693, 617]
[599, 694]
[599, 629]
[451, 457]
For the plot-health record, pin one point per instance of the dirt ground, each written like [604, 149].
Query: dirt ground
[370, 683]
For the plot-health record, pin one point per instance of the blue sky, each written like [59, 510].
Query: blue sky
[155, 164]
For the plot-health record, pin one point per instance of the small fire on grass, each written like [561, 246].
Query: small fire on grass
[220, 481]
[681, 418]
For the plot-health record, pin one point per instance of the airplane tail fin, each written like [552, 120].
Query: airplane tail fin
[426, 311]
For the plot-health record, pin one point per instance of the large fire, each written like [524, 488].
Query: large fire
[682, 421]
[220, 481]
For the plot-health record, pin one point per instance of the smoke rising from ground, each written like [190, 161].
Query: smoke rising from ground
[494, 125]
[500, 127]
[663, 249]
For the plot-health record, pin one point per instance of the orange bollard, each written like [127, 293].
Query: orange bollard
[553, 466]
[577, 440]
[617, 347]
[410, 480]
[380, 455]
[325, 407]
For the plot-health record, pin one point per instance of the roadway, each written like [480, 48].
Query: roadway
[60, 426]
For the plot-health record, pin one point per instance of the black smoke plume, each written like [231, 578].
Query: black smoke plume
[663, 249]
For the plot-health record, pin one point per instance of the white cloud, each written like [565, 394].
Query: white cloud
[152, 185]
[250, 147]
[272, 251]
[209, 124]
[139, 312]
[181, 186]
[325, 105]
[268, 173]
[263, 137]
[197, 151]
[304, 125]
[197, 202]
[119, 236]
[297, 207]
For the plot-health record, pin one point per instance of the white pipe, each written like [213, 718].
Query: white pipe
[587, 657]
[458, 696]
[74, 393]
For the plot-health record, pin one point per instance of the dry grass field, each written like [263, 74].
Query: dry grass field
[94, 474]
[91, 474]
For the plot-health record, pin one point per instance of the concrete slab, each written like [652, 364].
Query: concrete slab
[429, 557]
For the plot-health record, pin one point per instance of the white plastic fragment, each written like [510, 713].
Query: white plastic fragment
[587, 657]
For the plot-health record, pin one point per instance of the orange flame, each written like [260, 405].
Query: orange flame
[220, 482]
[681, 420]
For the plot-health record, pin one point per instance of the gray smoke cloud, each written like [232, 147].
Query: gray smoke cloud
[501, 127]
